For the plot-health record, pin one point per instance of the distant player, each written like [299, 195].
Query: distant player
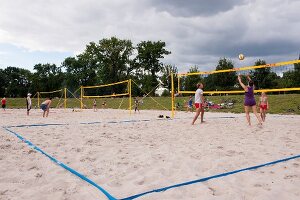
[28, 103]
[136, 105]
[45, 106]
[95, 105]
[263, 106]
[3, 103]
[104, 104]
[249, 101]
[190, 104]
[199, 103]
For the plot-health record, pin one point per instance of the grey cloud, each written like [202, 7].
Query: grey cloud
[190, 8]
[212, 30]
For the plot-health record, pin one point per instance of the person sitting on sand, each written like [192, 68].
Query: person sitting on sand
[263, 106]
[45, 106]
[249, 102]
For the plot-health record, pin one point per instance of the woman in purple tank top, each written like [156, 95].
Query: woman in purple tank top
[249, 101]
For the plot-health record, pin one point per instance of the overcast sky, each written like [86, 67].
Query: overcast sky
[197, 32]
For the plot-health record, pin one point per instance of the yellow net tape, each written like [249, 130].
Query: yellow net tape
[110, 95]
[51, 92]
[242, 91]
[240, 69]
[99, 86]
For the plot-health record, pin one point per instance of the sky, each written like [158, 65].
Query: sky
[197, 32]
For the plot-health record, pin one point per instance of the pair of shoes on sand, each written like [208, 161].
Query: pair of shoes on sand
[161, 116]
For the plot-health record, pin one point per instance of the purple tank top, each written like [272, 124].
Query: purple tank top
[249, 97]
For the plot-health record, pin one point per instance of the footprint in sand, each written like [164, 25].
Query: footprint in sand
[3, 192]
[295, 164]
[212, 190]
[290, 176]
[115, 184]
[38, 175]
[230, 153]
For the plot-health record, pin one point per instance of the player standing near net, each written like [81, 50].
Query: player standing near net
[45, 106]
[249, 101]
[263, 106]
[28, 103]
[136, 105]
[95, 105]
[199, 103]
[189, 106]
[3, 103]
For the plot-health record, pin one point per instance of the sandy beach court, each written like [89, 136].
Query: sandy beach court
[131, 154]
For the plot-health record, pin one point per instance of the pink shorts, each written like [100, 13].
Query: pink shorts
[198, 105]
[264, 107]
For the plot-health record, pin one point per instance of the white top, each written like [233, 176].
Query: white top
[29, 101]
[198, 95]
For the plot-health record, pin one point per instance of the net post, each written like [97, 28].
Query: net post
[178, 86]
[38, 96]
[81, 95]
[129, 89]
[65, 89]
[172, 95]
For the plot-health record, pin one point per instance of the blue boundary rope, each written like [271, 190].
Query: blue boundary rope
[210, 177]
[31, 145]
[108, 195]
[34, 125]
[116, 122]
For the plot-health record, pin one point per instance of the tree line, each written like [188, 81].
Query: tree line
[113, 60]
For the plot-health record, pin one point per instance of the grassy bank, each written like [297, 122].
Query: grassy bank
[279, 104]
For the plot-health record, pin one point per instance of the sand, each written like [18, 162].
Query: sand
[130, 154]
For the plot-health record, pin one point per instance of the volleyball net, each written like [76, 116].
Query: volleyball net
[59, 98]
[113, 95]
[281, 77]
[276, 77]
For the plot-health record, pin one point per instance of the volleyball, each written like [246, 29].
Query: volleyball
[241, 57]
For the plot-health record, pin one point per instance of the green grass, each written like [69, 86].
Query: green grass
[279, 104]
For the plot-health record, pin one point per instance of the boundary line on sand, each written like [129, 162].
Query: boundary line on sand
[81, 176]
[210, 177]
[108, 195]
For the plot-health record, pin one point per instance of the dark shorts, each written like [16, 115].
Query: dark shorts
[250, 102]
[44, 107]
[3, 105]
[28, 107]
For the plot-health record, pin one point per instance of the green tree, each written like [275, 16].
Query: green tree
[80, 71]
[17, 81]
[109, 60]
[149, 56]
[47, 77]
[297, 74]
[3, 83]
[166, 76]
[112, 58]
[287, 80]
[263, 77]
[227, 80]
[191, 81]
